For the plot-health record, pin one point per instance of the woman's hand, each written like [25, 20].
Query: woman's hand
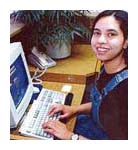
[66, 111]
[57, 129]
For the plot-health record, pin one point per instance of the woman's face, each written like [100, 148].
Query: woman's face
[108, 40]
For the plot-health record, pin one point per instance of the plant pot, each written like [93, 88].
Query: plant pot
[58, 50]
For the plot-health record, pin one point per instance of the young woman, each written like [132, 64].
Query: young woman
[106, 116]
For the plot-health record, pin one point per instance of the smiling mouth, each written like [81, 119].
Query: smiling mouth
[102, 50]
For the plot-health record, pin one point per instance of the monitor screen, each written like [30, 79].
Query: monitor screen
[18, 81]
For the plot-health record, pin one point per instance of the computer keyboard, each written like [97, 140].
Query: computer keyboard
[38, 114]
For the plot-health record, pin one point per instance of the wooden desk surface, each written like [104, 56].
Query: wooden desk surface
[77, 90]
[75, 69]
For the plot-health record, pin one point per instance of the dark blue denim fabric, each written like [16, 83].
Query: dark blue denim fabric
[89, 125]
[86, 127]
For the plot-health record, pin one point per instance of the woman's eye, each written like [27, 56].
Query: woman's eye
[111, 34]
[96, 33]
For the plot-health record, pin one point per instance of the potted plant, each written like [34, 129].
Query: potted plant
[55, 30]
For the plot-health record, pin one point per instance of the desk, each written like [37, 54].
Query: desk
[77, 90]
[81, 65]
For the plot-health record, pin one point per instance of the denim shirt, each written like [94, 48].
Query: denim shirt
[97, 96]
[89, 125]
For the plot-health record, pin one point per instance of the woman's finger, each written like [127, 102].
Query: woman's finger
[63, 116]
[54, 109]
[49, 130]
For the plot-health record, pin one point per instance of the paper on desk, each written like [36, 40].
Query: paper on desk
[66, 88]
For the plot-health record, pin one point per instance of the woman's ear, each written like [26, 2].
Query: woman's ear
[125, 44]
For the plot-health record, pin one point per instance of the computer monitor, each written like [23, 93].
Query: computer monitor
[21, 87]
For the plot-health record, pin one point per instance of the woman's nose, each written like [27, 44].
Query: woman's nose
[102, 39]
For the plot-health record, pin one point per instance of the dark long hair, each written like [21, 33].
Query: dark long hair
[122, 17]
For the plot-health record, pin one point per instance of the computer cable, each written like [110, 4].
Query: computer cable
[37, 74]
